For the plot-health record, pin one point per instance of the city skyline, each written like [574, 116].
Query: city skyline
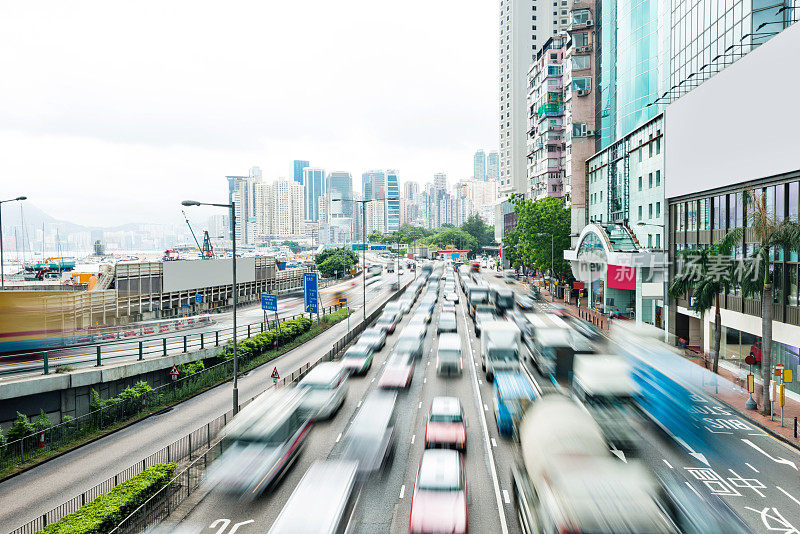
[105, 127]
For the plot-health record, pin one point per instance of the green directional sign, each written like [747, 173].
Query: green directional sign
[359, 246]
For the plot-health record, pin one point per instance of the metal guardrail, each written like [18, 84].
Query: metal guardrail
[57, 436]
[159, 506]
[142, 348]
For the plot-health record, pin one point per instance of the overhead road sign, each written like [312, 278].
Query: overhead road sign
[198, 298]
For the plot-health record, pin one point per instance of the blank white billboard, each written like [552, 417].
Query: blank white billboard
[742, 124]
[196, 274]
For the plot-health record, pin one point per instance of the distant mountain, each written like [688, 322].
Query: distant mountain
[14, 213]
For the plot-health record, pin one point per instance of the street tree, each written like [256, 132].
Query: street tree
[537, 221]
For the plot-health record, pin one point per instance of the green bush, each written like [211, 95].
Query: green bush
[22, 427]
[188, 369]
[106, 511]
[41, 422]
[265, 341]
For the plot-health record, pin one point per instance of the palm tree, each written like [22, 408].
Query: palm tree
[771, 232]
[706, 283]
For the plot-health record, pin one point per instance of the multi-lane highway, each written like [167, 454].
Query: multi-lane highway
[30, 494]
[759, 482]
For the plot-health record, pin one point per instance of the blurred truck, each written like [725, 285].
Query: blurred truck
[500, 347]
[604, 385]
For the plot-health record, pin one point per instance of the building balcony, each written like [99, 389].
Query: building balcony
[550, 110]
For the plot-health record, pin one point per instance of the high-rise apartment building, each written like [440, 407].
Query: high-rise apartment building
[392, 201]
[493, 167]
[299, 165]
[262, 200]
[341, 220]
[238, 192]
[525, 25]
[410, 190]
[373, 184]
[439, 182]
[546, 121]
[313, 188]
[479, 165]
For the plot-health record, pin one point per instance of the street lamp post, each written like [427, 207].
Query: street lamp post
[232, 208]
[2, 272]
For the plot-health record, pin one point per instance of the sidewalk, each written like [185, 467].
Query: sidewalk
[734, 398]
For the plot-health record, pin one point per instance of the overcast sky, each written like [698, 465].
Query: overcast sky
[113, 112]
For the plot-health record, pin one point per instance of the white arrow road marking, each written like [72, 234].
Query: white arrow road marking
[619, 454]
[776, 460]
[237, 525]
[698, 455]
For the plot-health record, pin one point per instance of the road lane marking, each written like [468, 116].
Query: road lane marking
[413, 437]
[668, 464]
[506, 498]
[358, 405]
[424, 380]
[692, 488]
[420, 405]
[787, 494]
[338, 437]
[402, 490]
[494, 443]
[751, 467]
[373, 379]
[492, 467]
[486, 408]
[778, 460]
[480, 382]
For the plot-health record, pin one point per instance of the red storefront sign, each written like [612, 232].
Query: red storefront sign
[621, 277]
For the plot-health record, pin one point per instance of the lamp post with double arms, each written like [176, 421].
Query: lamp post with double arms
[2, 272]
[232, 208]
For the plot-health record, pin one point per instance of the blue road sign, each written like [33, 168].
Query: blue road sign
[377, 247]
[198, 298]
[310, 287]
[269, 302]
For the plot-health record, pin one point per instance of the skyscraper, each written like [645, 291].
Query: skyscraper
[339, 186]
[479, 165]
[439, 182]
[524, 27]
[313, 188]
[493, 167]
[373, 184]
[392, 201]
[299, 165]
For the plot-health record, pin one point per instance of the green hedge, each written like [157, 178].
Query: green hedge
[106, 511]
[256, 345]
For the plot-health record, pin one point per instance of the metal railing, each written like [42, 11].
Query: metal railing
[140, 349]
[159, 506]
[74, 430]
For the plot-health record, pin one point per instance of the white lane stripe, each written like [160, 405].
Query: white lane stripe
[668, 464]
[373, 379]
[787, 494]
[486, 408]
[492, 467]
[424, 380]
[506, 498]
[420, 405]
[751, 467]
[402, 490]
[692, 488]
[413, 437]
[358, 405]
[338, 437]
[494, 443]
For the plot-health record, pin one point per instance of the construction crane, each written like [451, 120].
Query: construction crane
[203, 248]
[208, 249]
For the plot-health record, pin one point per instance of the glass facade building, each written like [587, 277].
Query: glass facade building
[708, 35]
[633, 65]
[299, 165]
[373, 184]
[392, 201]
[313, 188]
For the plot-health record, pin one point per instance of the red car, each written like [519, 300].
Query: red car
[446, 426]
[439, 501]
[398, 371]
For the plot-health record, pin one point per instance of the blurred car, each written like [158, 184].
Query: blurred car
[439, 500]
[387, 321]
[406, 303]
[588, 330]
[451, 308]
[448, 354]
[370, 437]
[330, 489]
[358, 358]
[375, 337]
[398, 371]
[326, 389]
[423, 314]
[558, 310]
[446, 426]
[393, 306]
[483, 314]
[523, 301]
[261, 442]
[451, 296]
[409, 343]
[447, 323]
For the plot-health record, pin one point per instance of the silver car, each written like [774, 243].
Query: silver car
[448, 354]
[447, 323]
[375, 337]
[326, 389]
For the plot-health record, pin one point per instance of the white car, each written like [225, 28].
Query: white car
[326, 387]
